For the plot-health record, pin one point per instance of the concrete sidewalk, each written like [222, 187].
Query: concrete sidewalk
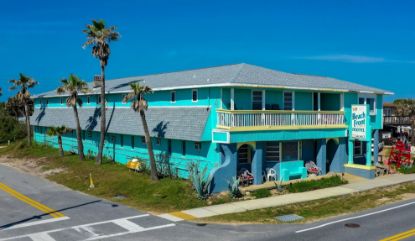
[282, 200]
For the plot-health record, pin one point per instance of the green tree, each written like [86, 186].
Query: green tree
[73, 86]
[59, 132]
[99, 37]
[23, 84]
[139, 104]
[406, 107]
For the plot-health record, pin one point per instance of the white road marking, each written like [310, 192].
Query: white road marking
[125, 233]
[73, 227]
[23, 225]
[170, 217]
[41, 237]
[356, 217]
[130, 226]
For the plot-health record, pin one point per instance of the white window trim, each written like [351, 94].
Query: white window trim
[175, 96]
[292, 99]
[197, 95]
[365, 97]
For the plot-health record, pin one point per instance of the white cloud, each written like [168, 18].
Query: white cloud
[346, 58]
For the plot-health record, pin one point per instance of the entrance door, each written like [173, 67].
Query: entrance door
[244, 158]
[331, 151]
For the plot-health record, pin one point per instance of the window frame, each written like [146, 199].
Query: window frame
[173, 93]
[198, 146]
[132, 140]
[143, 140]
[183, 148]
[292, 100]
[278, 143]
[360, 148]
[365, 97]
[158, 141]
[261, 101]
[121, 141]
[197, 95]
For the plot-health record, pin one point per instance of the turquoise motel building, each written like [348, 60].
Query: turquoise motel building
[227, 119]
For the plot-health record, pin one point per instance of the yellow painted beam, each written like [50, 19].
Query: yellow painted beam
[278, 128]
[30, 201]
[357, 166]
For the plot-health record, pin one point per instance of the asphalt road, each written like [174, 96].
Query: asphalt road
[26, 200]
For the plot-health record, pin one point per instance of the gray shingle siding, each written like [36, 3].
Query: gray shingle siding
[238, 74]
[172, 123]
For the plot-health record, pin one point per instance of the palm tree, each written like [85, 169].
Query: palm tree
[72, 86]
[59, 132]
[24, 83]
[139, 104]
[406, 108]
[99, 37]
[14, 107]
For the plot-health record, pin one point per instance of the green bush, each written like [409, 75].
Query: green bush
[10, 128]
[261, 193]
[407, 170]
[324, 182]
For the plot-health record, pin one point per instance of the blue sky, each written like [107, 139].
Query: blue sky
[368, 42]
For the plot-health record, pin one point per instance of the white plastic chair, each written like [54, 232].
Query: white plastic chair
[271, 174]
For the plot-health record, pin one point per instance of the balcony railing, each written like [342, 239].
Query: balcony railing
[279, 119]
[396, 120]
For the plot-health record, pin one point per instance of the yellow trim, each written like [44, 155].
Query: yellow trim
[278, 111]
[30, 201]
[357, 166]
[271, 128]
[182, 215]
[252, 144]
[400, 236]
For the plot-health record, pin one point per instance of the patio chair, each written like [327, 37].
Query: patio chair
[271, 174]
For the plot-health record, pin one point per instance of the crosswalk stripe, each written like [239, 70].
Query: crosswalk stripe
[130, 226]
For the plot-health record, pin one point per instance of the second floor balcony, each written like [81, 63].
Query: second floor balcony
[279, 119]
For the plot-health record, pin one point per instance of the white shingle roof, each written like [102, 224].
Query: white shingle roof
[233, 75]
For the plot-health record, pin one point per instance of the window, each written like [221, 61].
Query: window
[158, 141]
[288, 101]
[365, 100]
[244, 154]
[83, 135]
[143, 140]
[358, 148]
[61, 101]
[198, 146]
[121, 140]
[88, 100]
[290, 151]
[169, 150]
[257, 100]
[173, 96]
[47, 102]
[89, 134]
[183, 148]
[132, 142]
[194, 95]
[272, 151]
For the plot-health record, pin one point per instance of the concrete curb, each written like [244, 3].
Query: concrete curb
[277, 201]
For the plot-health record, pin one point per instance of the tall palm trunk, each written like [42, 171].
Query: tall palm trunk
[153, 167]
[78, 134]
[60, 145]
[103, 121]
[29, 134]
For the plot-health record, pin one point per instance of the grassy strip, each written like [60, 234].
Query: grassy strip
[311, 185]
[321, 208]
[407, 170]
[113, 181]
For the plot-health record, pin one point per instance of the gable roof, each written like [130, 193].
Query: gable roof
[180, 123]
[233, 75]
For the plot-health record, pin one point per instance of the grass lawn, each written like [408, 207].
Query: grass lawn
[321, 208]
[111, 180]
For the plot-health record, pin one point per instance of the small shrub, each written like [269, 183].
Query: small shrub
[261, 193]
[407, 170]
[324, 182]
[233, 187]
[200, 182]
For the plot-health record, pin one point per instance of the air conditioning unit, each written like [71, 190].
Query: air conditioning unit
[97, 81]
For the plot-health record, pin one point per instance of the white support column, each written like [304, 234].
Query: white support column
[319, 101]
[232, 99]
[263, 99]
[342, 101]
